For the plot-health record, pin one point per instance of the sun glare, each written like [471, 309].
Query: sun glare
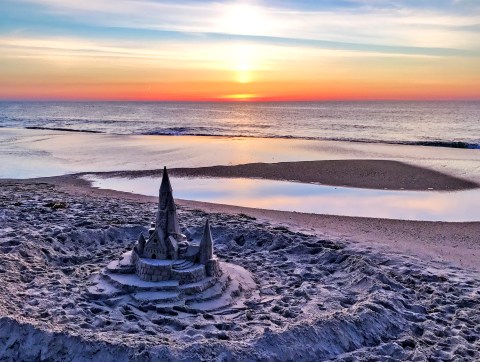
[243, 63]
[244, 19]
[239, 97]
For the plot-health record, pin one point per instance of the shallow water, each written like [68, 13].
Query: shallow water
[310, 198]
[40, 153]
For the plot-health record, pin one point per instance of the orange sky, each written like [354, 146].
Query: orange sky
[237, 51]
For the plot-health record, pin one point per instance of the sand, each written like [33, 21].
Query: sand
[373, 174]
[329, 287]
[455, 243]
[322, 296]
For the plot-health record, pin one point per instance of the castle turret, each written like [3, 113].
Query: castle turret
[167, 218]
[205, 253]
[141, 244]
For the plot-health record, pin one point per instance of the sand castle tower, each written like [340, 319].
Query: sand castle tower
[167, 217]
[205, 252]
[164, 235]
[167, 251]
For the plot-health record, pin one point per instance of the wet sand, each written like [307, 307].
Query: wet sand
[28, 153]
[457, 244]
[372, 174]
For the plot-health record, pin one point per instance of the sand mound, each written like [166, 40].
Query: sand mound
[317, 299]
[375, 174]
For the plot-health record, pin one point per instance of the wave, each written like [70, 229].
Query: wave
[446, 144]
[450, 144]
[184, 131]
[222, 132]
[62, 129]
[206, 131]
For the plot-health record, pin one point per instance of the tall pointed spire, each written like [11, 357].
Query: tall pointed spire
[166, 222]
[205, 252]
[165, 186]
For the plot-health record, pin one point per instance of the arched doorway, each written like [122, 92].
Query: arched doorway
[154, 256]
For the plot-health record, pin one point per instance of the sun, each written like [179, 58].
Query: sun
[239, 97]
[244, 18]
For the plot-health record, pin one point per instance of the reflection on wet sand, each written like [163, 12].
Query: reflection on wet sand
[30, 153]
[289, 196]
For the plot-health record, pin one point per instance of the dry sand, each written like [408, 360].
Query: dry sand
[331, 287]
[373, 174]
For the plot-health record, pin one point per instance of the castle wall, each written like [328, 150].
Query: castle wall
[187, 277]
[134, 256]
[212, 268]
[153, 273]
[161, 272]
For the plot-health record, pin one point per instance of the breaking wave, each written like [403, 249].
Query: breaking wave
[62, 129]
[224, 132]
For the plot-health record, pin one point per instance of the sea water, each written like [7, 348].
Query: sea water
[441, 123]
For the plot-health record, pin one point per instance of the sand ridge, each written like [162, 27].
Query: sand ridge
[373, 174]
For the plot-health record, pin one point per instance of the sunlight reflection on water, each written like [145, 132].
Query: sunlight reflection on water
[290, 196]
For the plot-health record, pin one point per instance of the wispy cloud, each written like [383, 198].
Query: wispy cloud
[386, 23]
[369, 46]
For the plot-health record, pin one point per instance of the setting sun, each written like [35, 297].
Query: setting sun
[239, 97]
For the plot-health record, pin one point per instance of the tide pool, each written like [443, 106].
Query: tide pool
[458, 206]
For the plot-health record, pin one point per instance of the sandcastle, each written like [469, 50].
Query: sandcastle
[167, 255]
[168, 270]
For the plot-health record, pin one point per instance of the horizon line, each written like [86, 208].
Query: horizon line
[250, 100]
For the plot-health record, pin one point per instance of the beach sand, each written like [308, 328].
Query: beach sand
[329, 287]
[372, 174]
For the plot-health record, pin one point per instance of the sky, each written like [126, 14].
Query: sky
[270, 50]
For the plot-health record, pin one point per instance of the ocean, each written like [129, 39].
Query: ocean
[442, 123]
